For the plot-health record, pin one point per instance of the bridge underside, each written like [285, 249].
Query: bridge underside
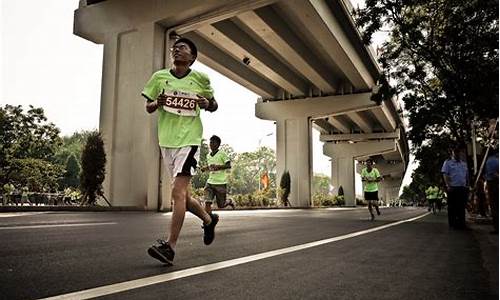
[304, 59]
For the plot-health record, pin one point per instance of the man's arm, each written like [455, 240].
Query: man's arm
[212, 106]
[378, 178]
[225, 166]
[152, 105]
[207, 104]
[446, 179]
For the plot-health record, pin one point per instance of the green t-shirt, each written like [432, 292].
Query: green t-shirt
[432, 192]
[176, 130]
[374, 174]
[217, 177]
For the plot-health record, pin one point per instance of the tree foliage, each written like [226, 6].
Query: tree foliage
[200, 178]
[442, 56]
[72, 175]
[247, 167]
[37, 174]
[93, 168]
[285, 186]
[320, 184]
[27, 145]
[71, 145]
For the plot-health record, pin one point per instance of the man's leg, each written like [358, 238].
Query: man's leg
[370, 209]
[209, 220]
[179, 195]
[221, 197]
[376, 203]
[182, 201]
[209, 196]
[451, 207]
[464, 193]
[493, 195]
[208, 207]
[194, 207]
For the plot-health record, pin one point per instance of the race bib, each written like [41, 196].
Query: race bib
[181, 103]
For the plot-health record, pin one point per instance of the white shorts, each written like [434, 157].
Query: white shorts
[180, 161]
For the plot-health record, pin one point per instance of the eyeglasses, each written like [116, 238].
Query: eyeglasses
[182, 47]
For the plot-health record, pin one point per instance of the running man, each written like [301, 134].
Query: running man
[218, 163]
[178, 95]
[432, 195]
[371, 176]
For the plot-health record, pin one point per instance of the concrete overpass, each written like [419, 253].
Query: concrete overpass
[304, 58]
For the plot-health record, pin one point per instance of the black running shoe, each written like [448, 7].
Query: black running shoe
[209, 230]
[162, 252]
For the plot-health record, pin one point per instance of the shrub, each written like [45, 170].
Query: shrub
[93, 168]
[264, 198]
[285, 186]
[339, 200]
[321, 199]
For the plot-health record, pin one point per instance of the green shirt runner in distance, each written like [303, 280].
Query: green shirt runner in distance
[220, 176]
[374, 174]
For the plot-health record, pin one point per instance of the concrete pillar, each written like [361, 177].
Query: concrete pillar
[343, 156]
[293, 132]
[393, 174]
[130, 134]
[293, 153]
[390, 188]
[341, 167]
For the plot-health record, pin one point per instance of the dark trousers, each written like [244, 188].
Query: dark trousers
[493, 195]
[457, 198]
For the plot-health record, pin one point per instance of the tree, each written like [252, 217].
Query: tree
[71, 145]
[320, 184]
[200, 178]
[35, 173]
[341, 191]
[409, 194]
[443, 57]
[93, 169]
[247, 168]
[285, 186]
[27, 140]
[71, 176]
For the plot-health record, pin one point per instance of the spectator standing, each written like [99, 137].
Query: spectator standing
[491, 174]
[456, 179]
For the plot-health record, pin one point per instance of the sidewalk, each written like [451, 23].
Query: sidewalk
[481, 228]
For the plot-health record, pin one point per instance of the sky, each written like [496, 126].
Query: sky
[43, 64]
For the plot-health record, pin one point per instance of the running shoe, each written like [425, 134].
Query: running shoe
[162, 252]
[209, 230]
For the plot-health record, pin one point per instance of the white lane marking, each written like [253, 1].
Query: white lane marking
[143, 282]
[55, 225]
[19, 214]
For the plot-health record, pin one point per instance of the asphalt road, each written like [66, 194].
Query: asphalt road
[257, 254]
